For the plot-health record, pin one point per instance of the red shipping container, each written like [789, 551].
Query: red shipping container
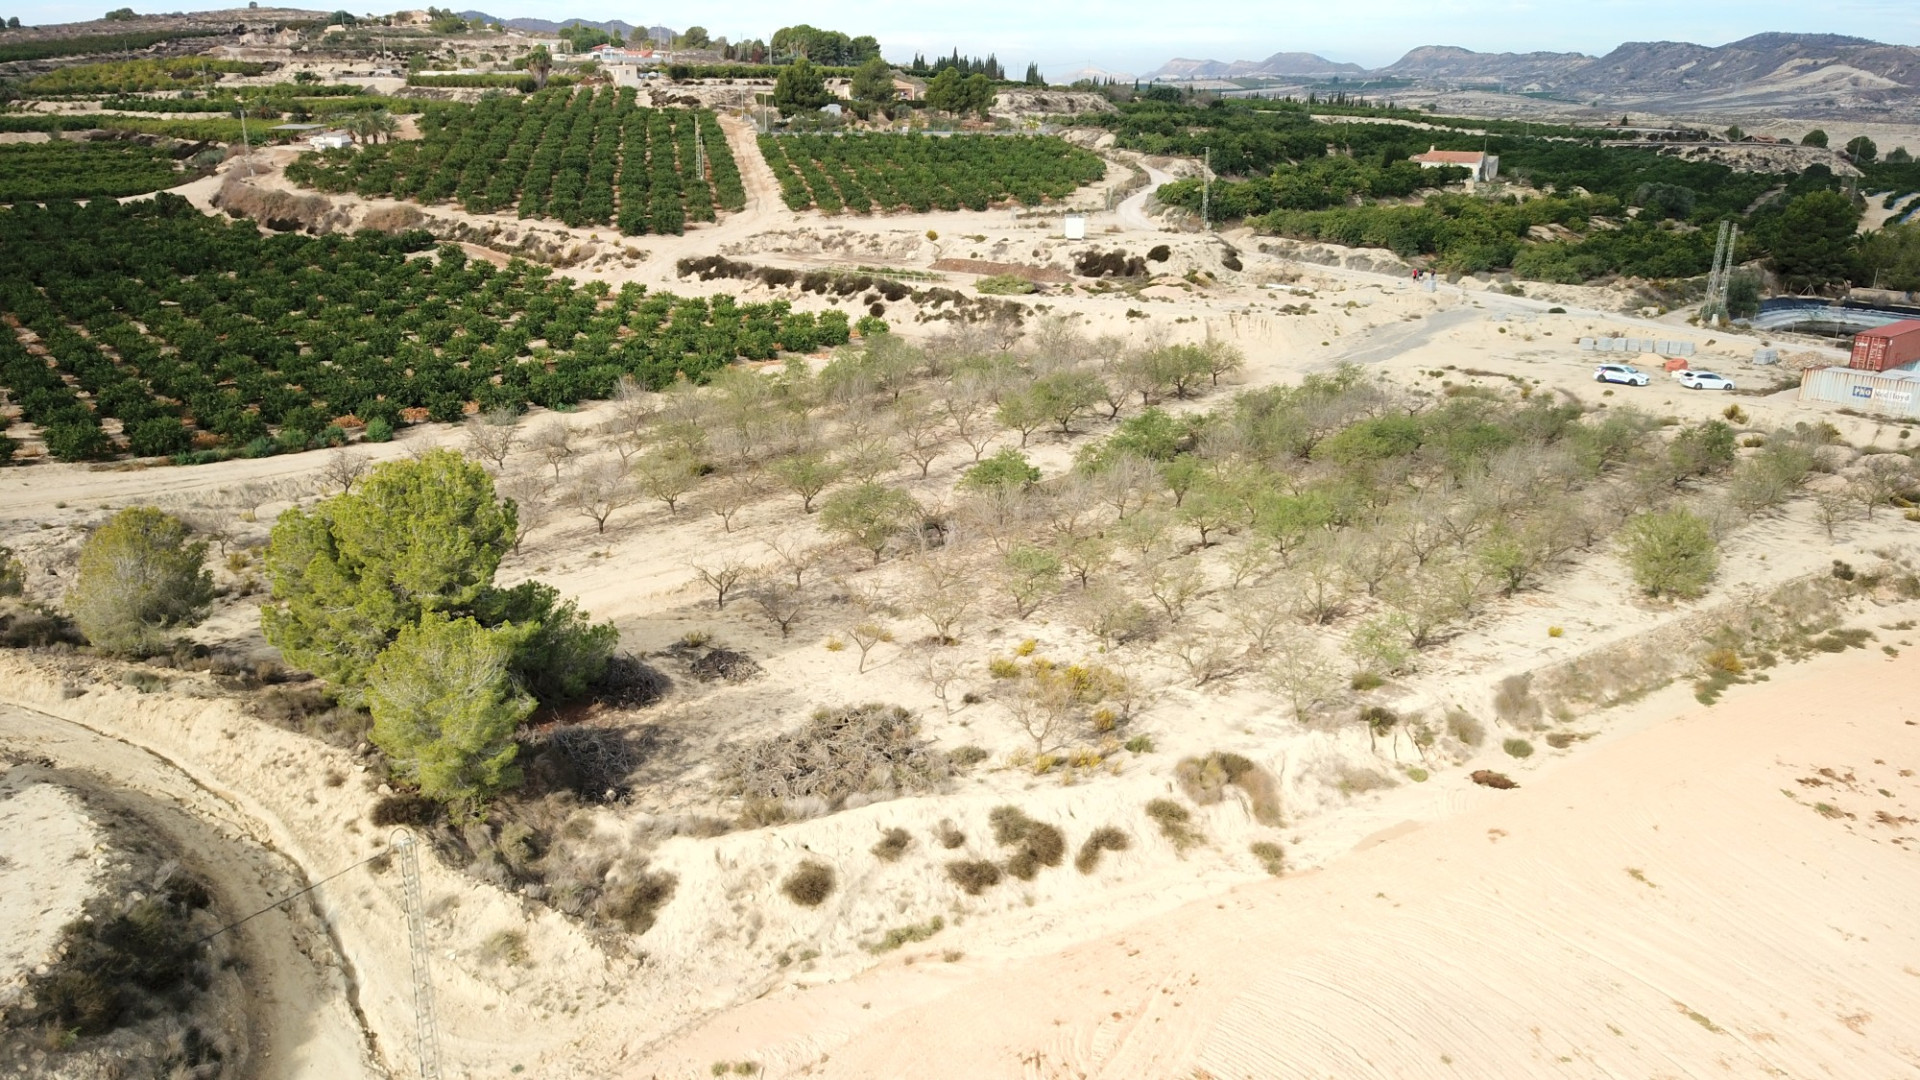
[1886, 347]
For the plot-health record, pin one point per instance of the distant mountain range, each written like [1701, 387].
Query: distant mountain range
[1836, 70]
[548, 26]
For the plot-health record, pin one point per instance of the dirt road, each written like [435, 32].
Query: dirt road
[302, 1019]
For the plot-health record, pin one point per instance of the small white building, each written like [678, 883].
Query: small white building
[330, 140]
[1482, 166]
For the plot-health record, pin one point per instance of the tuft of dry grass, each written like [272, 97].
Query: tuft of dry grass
[974, 876]
[907, 935]
[506, 947]
[893, 844]
[1176, 824]
[949, 834]
[1271, 855]
[1105, 838]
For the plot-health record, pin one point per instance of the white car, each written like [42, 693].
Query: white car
[1703, 380]
[1621, 373]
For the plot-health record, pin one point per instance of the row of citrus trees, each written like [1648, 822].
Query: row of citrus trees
[133, 76]
[200, 335]
[882, 172]
[77, 170]
[586, 158]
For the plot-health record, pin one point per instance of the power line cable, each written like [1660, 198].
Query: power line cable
[292, 896]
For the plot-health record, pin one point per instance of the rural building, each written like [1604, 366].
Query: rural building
[1483, 166]
[1889, 393]
[330, 140]
[614, 54]
[1895, 345]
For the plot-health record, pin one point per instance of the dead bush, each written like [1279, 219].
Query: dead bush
[633, 897]
[1205, 781]
[1489, 778]
[35, 626]
[1104, 838]
[1271, 855]
[868, 749]
[1352, 781]
[893, 844]
[631, 683]
[306, 709]
[809, 884]
[505, 947]
[1176, 824]
[1466, 727]
[392, 219]
[1514, 703]
[949, 834]
[405, 809]
[974, 876]
[594, 763]
[1037, 844]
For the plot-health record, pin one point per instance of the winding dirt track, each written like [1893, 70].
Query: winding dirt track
[302, 1019]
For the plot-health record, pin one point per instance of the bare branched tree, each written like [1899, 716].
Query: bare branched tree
[736, 491]
[598, 491]
[554, 443]
[1299, 670]
[343, 470]
[492, 435]
[665, 476]
[796, 556]
[943, 592]
[865, 636]
[919, 430]
[782, 602]
[722, 578]
[531, 493]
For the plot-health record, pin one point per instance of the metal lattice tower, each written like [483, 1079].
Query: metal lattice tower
[429, 1030]
[1715, 307]
[699, 150]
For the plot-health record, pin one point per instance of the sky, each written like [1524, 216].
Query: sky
[1136, 36]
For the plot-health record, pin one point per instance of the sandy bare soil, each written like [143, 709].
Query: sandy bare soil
[1719, 892]
[47, 871]
[298, 1001]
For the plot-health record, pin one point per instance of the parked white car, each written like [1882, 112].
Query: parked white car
[1621, 373]
[1703, 380]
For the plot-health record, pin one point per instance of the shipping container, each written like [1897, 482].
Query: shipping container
[1890, 346]
[1893, 393]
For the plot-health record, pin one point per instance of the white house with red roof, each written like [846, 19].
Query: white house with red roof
[1483, 166]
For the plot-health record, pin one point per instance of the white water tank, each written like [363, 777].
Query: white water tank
[1075, 226]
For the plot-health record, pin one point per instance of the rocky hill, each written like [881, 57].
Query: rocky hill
[1820, 71]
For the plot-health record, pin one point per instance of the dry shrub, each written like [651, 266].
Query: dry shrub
[1176, 824]
[1514, 703]
[907, 935]
[949, 834]
[407, 809]
[810, 884]
[1466, 727]
[1271, 855]
[593, 762]
[1352, 781]
[872, 750]
[1489, 778]
[392, 219]
[1205, 781]
[630, 683]
[26, 625]
[974, 876]
[893, 844]
[282, 211]
[306, 709]
[1105, 838]
[1038, 844]
[505, 947]
[634, 902]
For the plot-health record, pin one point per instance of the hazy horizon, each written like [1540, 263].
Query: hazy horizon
[1131, 37]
